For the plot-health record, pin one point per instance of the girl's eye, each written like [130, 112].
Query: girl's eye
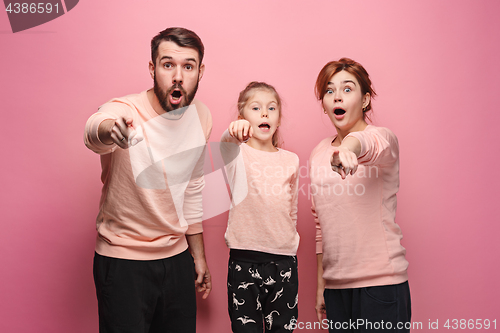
[255, 108]
[272, 108]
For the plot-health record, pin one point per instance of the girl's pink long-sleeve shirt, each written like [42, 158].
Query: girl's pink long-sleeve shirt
[355, 217]
[264, 189]
[151, 195]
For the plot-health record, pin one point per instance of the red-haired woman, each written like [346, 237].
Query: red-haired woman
[362, 270]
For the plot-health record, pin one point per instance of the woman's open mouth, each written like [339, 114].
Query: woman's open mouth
[339, 113]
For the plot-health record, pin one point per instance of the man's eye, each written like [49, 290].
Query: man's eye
[189, 67]
[167, 65]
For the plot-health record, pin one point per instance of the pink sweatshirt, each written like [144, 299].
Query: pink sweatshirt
[356, 231]
[264, 188]
[151, 195]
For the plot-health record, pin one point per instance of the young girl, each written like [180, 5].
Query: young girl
[261, 233]
[362, 270]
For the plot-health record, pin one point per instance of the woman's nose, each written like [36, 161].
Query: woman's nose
[337, 97]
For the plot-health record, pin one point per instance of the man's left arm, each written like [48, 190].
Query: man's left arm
[193, 213]
[203, 281]
[193, 209]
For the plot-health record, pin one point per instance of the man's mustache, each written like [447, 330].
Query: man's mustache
[177, 86]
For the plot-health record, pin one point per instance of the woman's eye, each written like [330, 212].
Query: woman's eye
[329, 91]
[347, 89]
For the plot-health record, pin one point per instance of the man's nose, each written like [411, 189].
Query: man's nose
[177, 78]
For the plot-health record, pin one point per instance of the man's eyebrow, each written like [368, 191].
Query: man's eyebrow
[170, 58]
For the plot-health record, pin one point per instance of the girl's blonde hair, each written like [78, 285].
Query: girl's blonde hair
[245, 95]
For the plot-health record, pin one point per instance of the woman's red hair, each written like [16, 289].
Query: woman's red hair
[350, 66]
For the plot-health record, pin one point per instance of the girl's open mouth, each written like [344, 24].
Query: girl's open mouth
[265, 127]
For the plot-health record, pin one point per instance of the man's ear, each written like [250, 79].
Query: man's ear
[152, 70]
[202, 70]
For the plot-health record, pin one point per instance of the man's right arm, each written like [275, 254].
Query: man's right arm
[118, 131]
[111, 127]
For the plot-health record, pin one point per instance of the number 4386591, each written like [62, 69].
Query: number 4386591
[463, 324]
[33, 8]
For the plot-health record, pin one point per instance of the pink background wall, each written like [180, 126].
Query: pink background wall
[434, 65]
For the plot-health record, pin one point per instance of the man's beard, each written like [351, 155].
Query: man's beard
[187, 97]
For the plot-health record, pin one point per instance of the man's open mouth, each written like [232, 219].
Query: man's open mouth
[176, 94]
[339, 112]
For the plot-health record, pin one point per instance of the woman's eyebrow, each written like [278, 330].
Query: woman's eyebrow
[343, 82]
[347, 81]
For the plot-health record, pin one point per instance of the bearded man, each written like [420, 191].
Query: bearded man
[149, 257]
